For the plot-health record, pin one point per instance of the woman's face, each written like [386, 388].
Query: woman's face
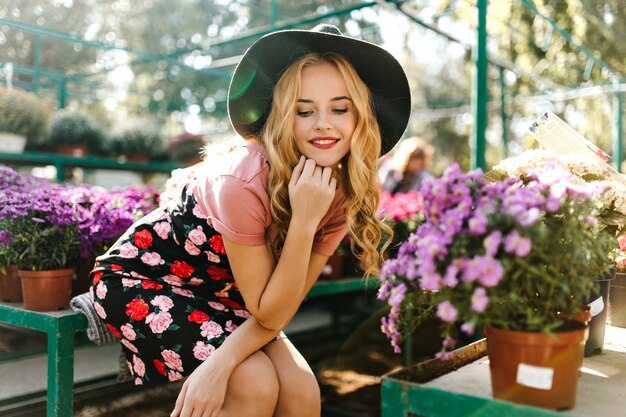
[325, 115]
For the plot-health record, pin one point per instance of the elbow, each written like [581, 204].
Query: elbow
[270, 322]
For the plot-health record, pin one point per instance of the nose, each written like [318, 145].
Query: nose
[323, 124]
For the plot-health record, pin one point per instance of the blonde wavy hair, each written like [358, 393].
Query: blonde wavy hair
[357, 177]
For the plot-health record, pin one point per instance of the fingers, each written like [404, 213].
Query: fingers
[179, 401]
[297, 171]
[327, 173]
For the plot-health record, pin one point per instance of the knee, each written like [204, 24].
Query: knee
[256, 380]
[300, 395]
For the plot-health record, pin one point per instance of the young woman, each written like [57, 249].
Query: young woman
[202, 287]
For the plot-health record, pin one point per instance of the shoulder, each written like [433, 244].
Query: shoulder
[245, 163]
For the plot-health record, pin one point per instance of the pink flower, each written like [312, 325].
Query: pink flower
[164, 303]
[468, 329]
[515, 243]
[152, 259]
[195, 281]
[183, 292]
[448, 343]
[202, 351]
[191, 248]
[490, 270]
[128, 331]
[129, 345]
[230, 327]
[173, 280]
[479, 300]
[99, 310]
[197, 236]
[127, 282]
[174, 376]
[444, 356]
[242, 313]
[128, 251]
[217, 306]
[172, 360]
[101, 290]
[137, 275]
[159, 322]
[212, 257]
[492, 243]
[138, 381]
[199, 212]
[138, 366]
[211, 330]
[446, 311]
[162, 229]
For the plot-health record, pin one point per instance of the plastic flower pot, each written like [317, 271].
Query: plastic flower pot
[47, 290]
[10, 285]
[598, 307]
[617, 301]
[536, 368]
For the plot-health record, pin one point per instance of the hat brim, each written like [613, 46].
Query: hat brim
[254, 78]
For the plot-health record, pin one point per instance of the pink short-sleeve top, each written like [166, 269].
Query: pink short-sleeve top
[233, 193]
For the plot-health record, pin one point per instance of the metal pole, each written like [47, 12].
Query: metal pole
[62, 93]
[37, 62]
[503, 115]
[618, 129]
[274, 14]
[479, 90]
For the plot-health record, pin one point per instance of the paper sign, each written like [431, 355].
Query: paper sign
[596, 306]
[534, 376]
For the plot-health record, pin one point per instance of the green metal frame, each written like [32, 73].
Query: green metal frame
[61, 162]
[62, 325]
[480, 93]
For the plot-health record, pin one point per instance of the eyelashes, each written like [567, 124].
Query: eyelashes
[306, 113]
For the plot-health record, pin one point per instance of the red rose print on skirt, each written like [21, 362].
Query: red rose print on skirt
[217, 244]
[143, 239]
[181, 269]
[137, 309]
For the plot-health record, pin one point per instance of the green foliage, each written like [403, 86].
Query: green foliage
[185, 146]
[137, 138]
[24, 114]
[40, 246]
[75, 128]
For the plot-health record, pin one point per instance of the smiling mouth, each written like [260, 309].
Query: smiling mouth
[324, 141]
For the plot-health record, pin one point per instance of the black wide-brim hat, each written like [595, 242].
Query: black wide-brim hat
[252, 83]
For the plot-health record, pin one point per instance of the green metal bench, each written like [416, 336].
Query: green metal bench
[61, 326]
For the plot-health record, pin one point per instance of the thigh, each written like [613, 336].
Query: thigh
[299, 393]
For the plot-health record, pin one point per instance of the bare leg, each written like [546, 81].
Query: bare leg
[299, 393]
[252, 389]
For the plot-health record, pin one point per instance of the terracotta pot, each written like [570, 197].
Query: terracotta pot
[78, 151]
[535, 368]
[617, 301]
[47, 290]
[10, 285]
[334, 267]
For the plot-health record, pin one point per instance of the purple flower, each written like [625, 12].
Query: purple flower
[515, 243]
[468, 329]
[447, 312]
[491, 270]
[492, 243]
[6, 237]
[444, 356]
[479, 300]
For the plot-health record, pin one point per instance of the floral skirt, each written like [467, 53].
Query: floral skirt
[166, 290]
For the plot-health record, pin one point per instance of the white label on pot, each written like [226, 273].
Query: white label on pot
[596, 306]
[534, 376]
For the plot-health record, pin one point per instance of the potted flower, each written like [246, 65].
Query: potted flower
[515, 259]
[138, 141]
[23, 120]
[611, 203]
[40, 230]
[186, 148]
[104, 217]
[74, 133]
[403, 212]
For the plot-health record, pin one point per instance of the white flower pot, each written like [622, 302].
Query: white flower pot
[12, 143]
